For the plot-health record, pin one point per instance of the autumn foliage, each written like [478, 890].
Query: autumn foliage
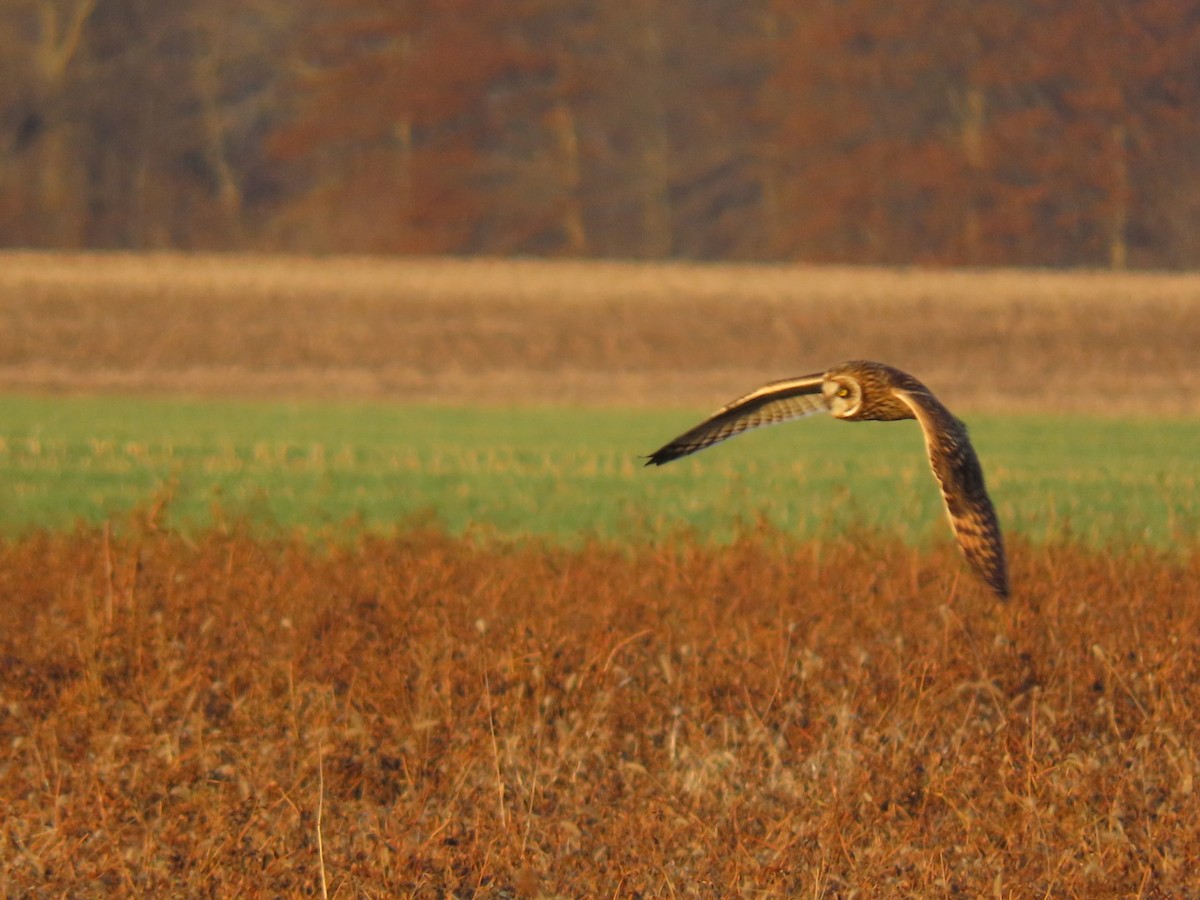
[420, 715]
[984, 132]
[941, 132]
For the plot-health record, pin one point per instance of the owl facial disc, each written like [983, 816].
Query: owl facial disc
[843, 396]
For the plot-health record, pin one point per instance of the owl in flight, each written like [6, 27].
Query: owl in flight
[861, 391]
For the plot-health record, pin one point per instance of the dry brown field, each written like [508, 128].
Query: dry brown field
[221, 714]
[526, 332]
[420, 716]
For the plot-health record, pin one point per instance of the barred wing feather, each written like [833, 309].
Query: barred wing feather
[771, 404]
[968, 506]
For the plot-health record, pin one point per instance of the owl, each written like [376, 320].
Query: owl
[861, 391]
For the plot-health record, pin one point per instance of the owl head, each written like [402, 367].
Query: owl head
[865, 391]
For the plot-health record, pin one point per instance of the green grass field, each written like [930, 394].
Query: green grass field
[565, 473]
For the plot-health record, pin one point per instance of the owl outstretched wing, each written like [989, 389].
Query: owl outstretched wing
[960, 477]
[772, 403]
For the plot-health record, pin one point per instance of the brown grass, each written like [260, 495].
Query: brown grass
[490, 331]
[424, 716]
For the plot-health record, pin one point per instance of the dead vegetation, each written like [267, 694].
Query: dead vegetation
[491, 331]
[423, 716]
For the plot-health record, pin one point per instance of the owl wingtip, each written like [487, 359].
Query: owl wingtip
[998, 582]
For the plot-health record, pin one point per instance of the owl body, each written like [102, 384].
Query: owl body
[865, 391]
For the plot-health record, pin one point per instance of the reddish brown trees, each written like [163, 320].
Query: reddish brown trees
[1015, 132]
[439, 126]
[990, 132]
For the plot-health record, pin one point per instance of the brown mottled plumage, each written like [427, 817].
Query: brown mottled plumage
[870, 391]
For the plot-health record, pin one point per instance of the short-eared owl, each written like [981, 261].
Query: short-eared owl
[871, 391]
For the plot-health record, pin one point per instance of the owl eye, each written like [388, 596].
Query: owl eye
[843, 392]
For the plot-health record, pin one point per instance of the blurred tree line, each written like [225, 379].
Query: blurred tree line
[1015, 132]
